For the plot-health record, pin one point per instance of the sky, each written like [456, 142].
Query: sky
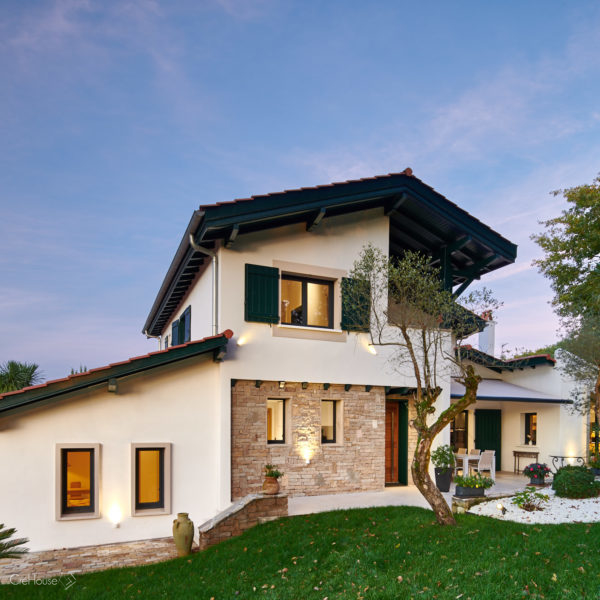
[118, 119]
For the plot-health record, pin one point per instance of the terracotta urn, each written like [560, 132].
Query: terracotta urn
[183, 534]
[270, 486]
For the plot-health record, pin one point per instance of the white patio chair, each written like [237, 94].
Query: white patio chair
[473, 462]
[487, 462]
[458, 462]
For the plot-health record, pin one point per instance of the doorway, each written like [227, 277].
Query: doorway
[488, 432]
[396, 442]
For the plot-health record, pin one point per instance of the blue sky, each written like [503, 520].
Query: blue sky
[118, 119]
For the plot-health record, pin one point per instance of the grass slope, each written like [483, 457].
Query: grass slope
[390, 552]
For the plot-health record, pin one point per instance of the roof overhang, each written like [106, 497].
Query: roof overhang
[44, 393]
[420, 219]
[499, 365]
[502, 391]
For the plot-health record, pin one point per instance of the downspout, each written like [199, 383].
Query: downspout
[156, 337]
[215, 280]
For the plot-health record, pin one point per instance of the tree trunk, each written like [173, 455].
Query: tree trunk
[596, 412]
[420, 473]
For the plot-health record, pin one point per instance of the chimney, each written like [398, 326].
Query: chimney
[487, 338]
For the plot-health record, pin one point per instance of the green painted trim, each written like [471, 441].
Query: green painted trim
[145, 363]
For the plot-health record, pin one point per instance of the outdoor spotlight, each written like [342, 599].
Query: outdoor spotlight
[501, 508]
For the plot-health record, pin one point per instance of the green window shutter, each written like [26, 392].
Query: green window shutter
[175, 333]
[356, 305]
[187, 324]
[262, 294]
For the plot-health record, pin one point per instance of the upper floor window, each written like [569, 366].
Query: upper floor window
[306, 301]
[181, 329]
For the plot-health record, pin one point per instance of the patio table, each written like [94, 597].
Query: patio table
[465, 461]
[557, 457]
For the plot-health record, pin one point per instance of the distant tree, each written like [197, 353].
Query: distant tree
[82, 369]
[16, 375]
[10, 548]
[571, 244]
[580, 360]
[402, 305]
[523, 352]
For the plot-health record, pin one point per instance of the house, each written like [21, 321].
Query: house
[523, 409]
[257, 363]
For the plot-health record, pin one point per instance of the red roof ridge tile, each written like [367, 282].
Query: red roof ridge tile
[228, 333]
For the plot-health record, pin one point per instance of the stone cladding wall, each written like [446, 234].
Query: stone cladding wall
[238, 518]
[355, 463]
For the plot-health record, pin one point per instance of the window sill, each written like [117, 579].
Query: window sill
[78, 517]
[149, 512]
[309, 333]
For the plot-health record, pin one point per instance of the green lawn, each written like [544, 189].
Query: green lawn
[393, 552]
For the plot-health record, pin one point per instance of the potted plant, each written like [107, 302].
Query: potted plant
[270, 484]
[536, 472]
[443, 461]
[471, 486]
[595, 465]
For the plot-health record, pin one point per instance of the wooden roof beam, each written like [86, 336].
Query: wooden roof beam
[314, 221]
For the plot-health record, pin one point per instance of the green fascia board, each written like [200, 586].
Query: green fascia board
[100, 376]
[261, 207]
[498, 364]
[517, 399]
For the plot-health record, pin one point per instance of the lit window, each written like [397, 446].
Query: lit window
[151, 478]
[531, 428]
[328, 421]
[306, 302]
[77, 470]
[275, 421]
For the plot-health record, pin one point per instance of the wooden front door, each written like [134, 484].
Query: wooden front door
[396, 443]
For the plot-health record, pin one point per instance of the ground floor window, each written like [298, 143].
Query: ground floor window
[328, 421]
[276, 421]
[77, 485]
[151, 478]
[531, 428]
[459, 431]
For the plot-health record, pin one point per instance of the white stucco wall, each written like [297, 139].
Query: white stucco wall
[177, 404]
[560, 431]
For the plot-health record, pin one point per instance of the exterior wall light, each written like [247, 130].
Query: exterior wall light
[115, 515]
[372, 349]
[281, 385]
[113, 386]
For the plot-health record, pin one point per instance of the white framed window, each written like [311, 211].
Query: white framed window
[77, 481]
[331, 422]
[150, 479]
[276, 420]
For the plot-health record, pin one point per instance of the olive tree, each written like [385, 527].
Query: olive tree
[402, 305]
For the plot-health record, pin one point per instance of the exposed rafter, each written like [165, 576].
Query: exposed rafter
[232, 235]
[314, 221]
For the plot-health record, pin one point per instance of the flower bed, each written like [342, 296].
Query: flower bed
[555, 510]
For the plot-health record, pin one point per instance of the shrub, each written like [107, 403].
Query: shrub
[530, 499]
[443, 458]
[474, 481]
[594, 462]
[272, 471]
[575, 482]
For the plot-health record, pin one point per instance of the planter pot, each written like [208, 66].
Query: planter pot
[443, 477]
[595, 471]
[537, 481]
[468, 492]
[270, 486]
[183, 534]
